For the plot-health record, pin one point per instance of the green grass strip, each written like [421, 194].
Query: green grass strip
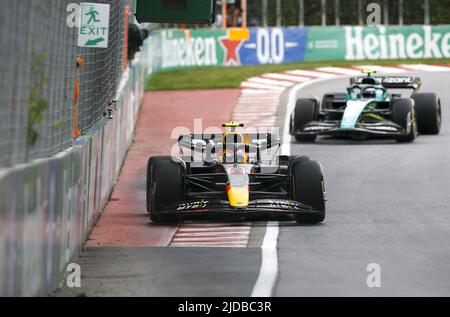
[232, 77]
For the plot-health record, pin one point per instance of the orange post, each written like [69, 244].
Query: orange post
[76, 97]
[225, 14]
[244, 13]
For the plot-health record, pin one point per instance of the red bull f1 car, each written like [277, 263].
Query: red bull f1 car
[234, 175]
[368, 109]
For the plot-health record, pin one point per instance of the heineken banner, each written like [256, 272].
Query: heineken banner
[174, 48]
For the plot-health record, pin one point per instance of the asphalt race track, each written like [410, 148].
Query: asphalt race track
[387, 204]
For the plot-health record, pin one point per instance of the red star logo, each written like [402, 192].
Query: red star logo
[231, 51]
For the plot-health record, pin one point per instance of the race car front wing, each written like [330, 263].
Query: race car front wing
[221, 208]
[385, 128]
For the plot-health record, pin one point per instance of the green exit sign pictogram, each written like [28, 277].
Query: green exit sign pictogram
[176, 11]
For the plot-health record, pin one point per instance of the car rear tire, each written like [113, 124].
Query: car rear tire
[306, 110]
[403, 114]
[308, 188]
[428, 113]
[165, 186]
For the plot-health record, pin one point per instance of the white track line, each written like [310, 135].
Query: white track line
[264, 107]
[269, 264]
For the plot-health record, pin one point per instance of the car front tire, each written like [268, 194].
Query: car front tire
[308, 188]
[403, 114]
[306, 110]
[165, 187]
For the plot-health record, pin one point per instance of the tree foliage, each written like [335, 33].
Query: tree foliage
[348, 11]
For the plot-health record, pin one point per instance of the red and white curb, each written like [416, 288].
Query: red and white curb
[257, 107]
[212, 235]
[274, 83]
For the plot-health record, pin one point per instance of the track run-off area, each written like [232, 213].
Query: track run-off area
[387, 204]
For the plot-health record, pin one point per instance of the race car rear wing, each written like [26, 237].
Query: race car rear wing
[392, 82]
[199, 142]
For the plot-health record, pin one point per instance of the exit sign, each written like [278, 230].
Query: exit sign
[176, 11]
[94, 25]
